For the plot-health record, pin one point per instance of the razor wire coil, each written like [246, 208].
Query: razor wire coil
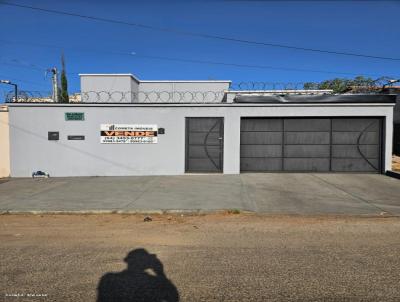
[210, 96]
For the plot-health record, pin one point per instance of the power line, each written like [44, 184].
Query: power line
[31, 67]
[124, 53]
[247, 65]
[20, 64]
[201, 35]
[23, 81]
[52, 46]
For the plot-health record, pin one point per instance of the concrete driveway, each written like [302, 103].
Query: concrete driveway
[276, 193]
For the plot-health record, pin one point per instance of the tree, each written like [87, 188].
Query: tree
[340, 85]
[63, 96]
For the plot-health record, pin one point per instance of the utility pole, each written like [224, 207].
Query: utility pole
[54, 79]
[15, 88]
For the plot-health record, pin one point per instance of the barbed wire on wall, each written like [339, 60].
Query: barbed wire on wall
[350, 86]
[372, 87]
[121, 97]
[153, 97]
[378, 85]
[28, 97]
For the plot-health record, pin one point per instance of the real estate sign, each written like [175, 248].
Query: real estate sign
[128, 134]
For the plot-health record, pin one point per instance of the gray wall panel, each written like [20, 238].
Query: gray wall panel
[309, 138]
[307, 151]
[313, 124]
[255, 138]
[352, 137]
[203, 125]
[352, 124]
[261, 124]
[261, 164]
[306, 164]
[351, 151]
[201, 165]
[354, 165]
[261, 151]
[199, 138]
[199, 151]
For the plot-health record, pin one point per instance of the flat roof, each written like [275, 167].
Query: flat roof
[111, 75]
[186, 81]
[153, 81]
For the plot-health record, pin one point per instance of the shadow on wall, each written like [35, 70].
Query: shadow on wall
[143, 280]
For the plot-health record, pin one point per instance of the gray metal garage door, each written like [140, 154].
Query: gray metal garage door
[311, 144]
[204, 144]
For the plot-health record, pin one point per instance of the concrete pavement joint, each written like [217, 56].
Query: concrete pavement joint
[52, 187]
[351, 194]
[245, 194]
[147, 187]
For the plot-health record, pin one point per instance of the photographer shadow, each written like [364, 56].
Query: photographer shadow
[143, 280]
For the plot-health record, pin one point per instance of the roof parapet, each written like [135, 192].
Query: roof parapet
[153, 81]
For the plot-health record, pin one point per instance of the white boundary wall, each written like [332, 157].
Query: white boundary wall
[31, 150]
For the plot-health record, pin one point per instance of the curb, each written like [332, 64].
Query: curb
[197, 213]
[133, 212]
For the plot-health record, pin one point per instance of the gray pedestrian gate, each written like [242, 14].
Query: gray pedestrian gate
[204, 144]
[311, 144]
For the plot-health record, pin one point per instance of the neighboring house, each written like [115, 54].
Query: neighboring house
[126, 126]
[4, 143]
[75, 98]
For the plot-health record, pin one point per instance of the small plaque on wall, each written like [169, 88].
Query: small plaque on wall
[76, 137]
[74, 116]
[53, 136]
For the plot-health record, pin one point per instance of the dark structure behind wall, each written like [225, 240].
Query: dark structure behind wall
[396, 118]
[396, 139]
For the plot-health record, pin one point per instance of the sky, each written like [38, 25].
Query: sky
[33, 41]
